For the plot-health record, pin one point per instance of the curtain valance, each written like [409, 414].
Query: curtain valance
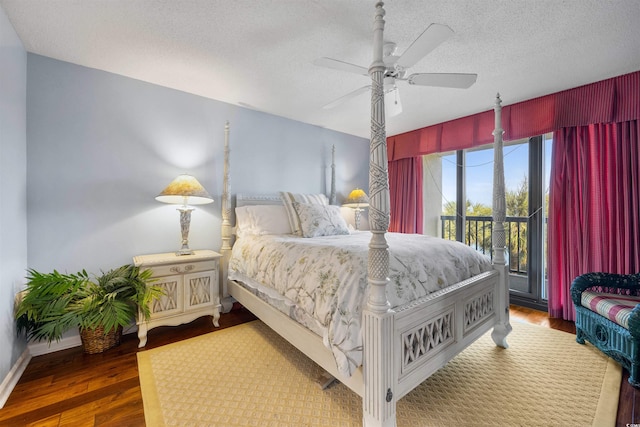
[607, 101]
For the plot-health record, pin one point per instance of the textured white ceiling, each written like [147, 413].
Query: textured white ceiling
[259, 53]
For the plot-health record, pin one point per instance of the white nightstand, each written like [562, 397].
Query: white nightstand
[191, 289]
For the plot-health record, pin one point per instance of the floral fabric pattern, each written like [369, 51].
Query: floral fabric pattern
[288, 199]
[320, 220]
[326, 277]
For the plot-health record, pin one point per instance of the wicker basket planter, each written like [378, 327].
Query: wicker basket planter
[54, 303]
[96, 341]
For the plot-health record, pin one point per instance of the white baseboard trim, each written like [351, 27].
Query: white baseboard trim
[39, 348]
[13, 376]
[42, 347]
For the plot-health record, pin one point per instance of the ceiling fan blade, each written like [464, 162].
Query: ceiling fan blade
[342, 66]
[454, 80]
[346, 97]
[433, 36]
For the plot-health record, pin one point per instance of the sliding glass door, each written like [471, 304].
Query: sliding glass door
[467, 188]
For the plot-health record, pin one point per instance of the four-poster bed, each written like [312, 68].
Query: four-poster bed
[401, 345]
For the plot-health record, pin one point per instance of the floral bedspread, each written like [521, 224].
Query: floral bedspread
[326, 277]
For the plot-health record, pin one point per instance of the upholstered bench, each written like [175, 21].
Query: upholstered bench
[608, 316]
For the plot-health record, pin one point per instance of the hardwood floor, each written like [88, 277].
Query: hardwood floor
[70, 388]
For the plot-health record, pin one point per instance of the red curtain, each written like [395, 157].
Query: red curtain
[405, 192]
[608, 101]
[594, 206]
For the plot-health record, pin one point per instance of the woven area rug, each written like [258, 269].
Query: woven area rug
[248, 376]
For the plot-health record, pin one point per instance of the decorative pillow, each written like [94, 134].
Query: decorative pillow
[269, 219]
[320, 220]
[289, 198]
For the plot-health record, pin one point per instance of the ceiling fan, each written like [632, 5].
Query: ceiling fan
[396, 69]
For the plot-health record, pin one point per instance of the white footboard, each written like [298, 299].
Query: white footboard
[426, 335]
[434, 329]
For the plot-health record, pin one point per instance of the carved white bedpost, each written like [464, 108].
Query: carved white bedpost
[332, 195]
[379, 402]
[503, 327]
[226, 225]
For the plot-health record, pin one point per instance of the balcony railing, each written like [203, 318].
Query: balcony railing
[478, 233]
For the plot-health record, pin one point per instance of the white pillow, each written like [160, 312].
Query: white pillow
[269, 219]
[289, 198]
[320, 220]
[243, 221]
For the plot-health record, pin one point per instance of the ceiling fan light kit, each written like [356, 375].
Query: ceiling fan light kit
[396, 69]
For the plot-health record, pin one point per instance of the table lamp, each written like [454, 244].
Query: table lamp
[185, 190]
[357, 200]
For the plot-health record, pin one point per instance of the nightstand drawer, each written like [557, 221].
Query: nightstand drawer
[188, 267]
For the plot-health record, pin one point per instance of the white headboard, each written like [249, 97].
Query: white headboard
[257, 199]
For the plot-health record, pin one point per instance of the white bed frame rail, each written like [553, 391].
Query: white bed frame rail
[402, 347]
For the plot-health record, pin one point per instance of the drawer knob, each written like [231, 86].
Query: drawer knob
[177, 269]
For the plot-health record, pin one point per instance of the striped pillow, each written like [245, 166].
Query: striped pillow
[289, 198]
[616, 308]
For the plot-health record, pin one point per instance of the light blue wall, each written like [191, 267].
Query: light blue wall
[83, 153]
[102, 146]
[13, 182]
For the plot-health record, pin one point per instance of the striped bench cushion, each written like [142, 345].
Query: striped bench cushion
[616, 308]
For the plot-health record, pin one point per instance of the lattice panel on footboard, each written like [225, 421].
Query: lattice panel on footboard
[477, 309]
[419, 343]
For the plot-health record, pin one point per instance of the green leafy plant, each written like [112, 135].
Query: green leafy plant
[54, 303]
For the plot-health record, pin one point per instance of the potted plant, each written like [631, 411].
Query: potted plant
[100, 307]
